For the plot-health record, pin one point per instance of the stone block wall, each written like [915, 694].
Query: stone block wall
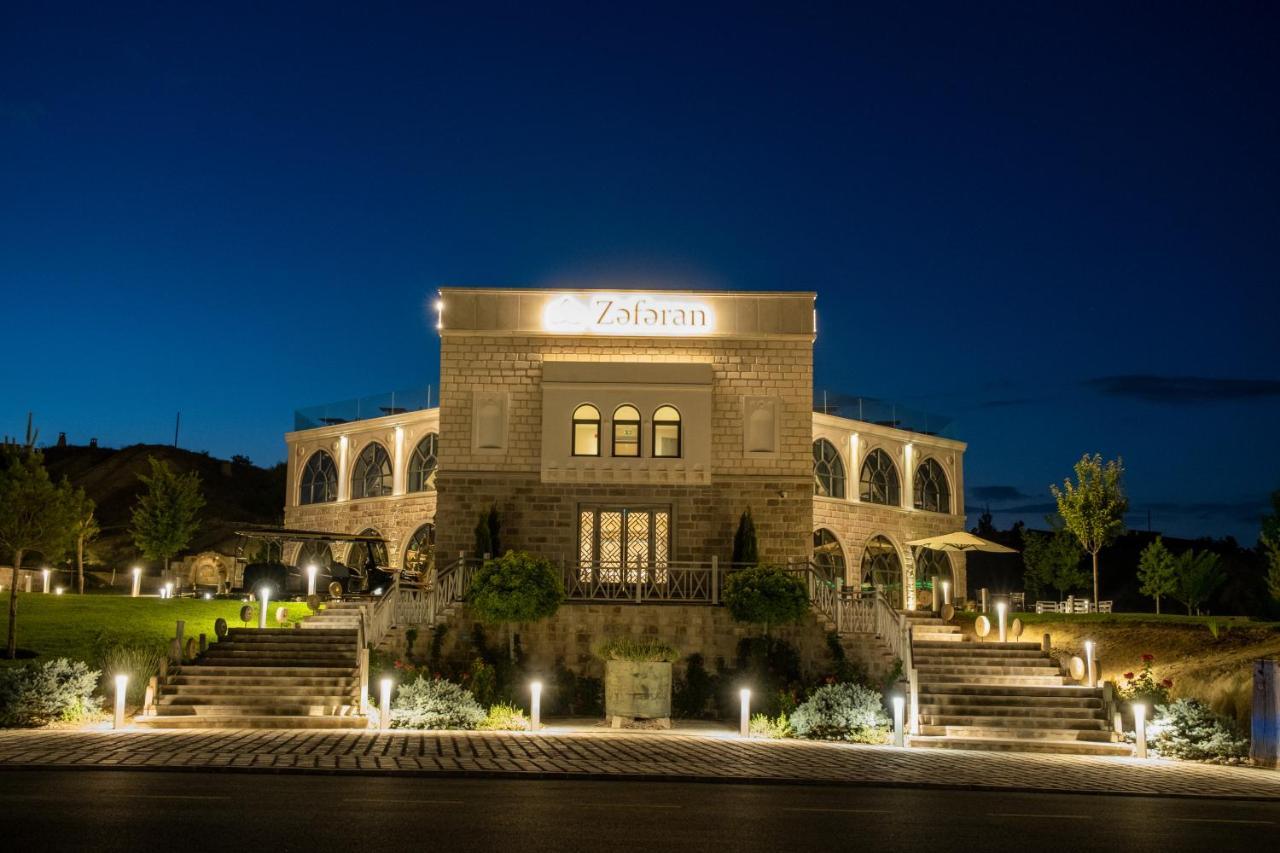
[394, 518]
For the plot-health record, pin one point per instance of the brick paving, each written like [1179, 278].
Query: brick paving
[623, 755]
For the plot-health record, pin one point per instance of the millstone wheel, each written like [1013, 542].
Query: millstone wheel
[982, 626]
[220, 627]
[335, 590]
[1015, 630]
[948, 613]
[191, 649]
[1076, 668]
[282, 615]
[313, 603]
[246, 613]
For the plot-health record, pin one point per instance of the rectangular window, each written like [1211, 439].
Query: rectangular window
[586, 438]
[626, 438]
[620, 545]
[666, 440]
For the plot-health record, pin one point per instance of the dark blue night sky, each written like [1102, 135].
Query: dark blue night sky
[1059, 227]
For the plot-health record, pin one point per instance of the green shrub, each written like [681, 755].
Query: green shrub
[484, 682]
[765, 595]
[38, 694]
[516, 587]
[641, 650]
[762, 725]
[504, 718]
[1188, 729]
[140, 661]
[435, 704]
[848, 712]
[692, 693]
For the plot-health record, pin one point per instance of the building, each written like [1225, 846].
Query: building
[615, 429]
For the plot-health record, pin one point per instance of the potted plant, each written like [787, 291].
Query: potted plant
[637, 681]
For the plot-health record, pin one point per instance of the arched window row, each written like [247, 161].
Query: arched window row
[665, 437]
[319, 481]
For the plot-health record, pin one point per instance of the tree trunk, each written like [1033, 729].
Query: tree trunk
[1157, 605]
[11, 650]
[511, 641]
[80, 562]
[1095, 580]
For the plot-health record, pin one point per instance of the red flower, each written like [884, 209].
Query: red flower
[1129, 675]
[1148, 658]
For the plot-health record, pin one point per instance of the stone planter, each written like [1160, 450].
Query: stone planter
[637, 692]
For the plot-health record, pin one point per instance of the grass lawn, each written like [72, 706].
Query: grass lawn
[69, 625]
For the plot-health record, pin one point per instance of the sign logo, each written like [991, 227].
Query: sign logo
[627, 314]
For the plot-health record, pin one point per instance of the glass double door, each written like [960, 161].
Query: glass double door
[624, 544]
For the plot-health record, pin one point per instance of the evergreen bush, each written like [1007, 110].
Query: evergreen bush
[38, 694]
[765, 595]
[516, 587]
[433, 703]
[504, 718]
[1188, 729]
[848, 712]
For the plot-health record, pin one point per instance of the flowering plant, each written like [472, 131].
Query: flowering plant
[1143, 686]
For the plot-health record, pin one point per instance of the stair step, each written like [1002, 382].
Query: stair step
[249, 671]
[185, 706]
[249, 686]
[1012, 722]
[968, 644]
[1076, 747]
[288, 633]
[979, 672]
[997, 680]
[263, 721]
[1022, 705]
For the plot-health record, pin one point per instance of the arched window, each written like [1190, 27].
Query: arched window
[586, 430]
[932, 493]
[932, 564]
[422, 465]
[666, 433]
[882, 570]
[420, 553]
[879, 483]
[313, 553]
[828, 470]
[363, 555]
[828, 555]
[319, 480]
[372, 475]
[626, 431]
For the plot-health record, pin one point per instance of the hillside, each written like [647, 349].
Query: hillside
[235, 493]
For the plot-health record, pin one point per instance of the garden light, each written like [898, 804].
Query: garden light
[44, 574]
[898, 704]
[168, 589]
[535, 707]
[311, 580]
[946, 592]
[1088, 663]
[122, 682]
[384, 704]
[1140, 726]
[57, 590]
[744, 725]
[137, 582]
[1001, 607]
[264, 596]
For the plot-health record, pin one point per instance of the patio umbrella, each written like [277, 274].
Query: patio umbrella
[961, 541]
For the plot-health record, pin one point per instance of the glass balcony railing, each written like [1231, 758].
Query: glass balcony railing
[363, 408]
[881, 412]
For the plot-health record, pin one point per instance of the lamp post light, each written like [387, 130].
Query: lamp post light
[264, 601]
[899, 704]
[535, 706]
[44, 575]
[1090, 675]
[122, 682]
[744, 724]
[1001, 608]
[384, 704]
[311, 580]
[1140, 727]
[137, 582]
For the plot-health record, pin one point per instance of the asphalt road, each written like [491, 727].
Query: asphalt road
[82, 811]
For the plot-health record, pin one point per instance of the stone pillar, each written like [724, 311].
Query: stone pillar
[855, 468]
[344, 475]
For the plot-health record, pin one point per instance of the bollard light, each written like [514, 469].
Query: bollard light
[384, 704]
[744, 725]
[168, 589]
[1001, 607]
[311, 579]
[122, 683]
[535, 707]
[946, 592]
[57, 590]
[137, 582]
[1140, 726]
[264, 599]
[1090, 676]
[899, 703]
[44, 574]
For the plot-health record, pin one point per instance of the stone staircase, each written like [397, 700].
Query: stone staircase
[1003, 696]
[336, 615]
[265, 678]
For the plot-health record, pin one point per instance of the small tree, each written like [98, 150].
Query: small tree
[1052, 561]
[746, 552]
[165, 516]
[1271, 550]
[1199, 576]
[36, 516]
[514, 589]
[85, 530]
[1157, 571]
[765, 595]
[1093, 507]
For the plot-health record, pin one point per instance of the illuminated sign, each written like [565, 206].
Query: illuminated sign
[627, 314]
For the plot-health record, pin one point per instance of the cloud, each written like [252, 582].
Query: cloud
[998, 494]
[1178, 390]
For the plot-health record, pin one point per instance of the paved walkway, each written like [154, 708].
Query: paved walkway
[623, 755]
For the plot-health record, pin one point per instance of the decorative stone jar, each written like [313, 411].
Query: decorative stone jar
[637, 691]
